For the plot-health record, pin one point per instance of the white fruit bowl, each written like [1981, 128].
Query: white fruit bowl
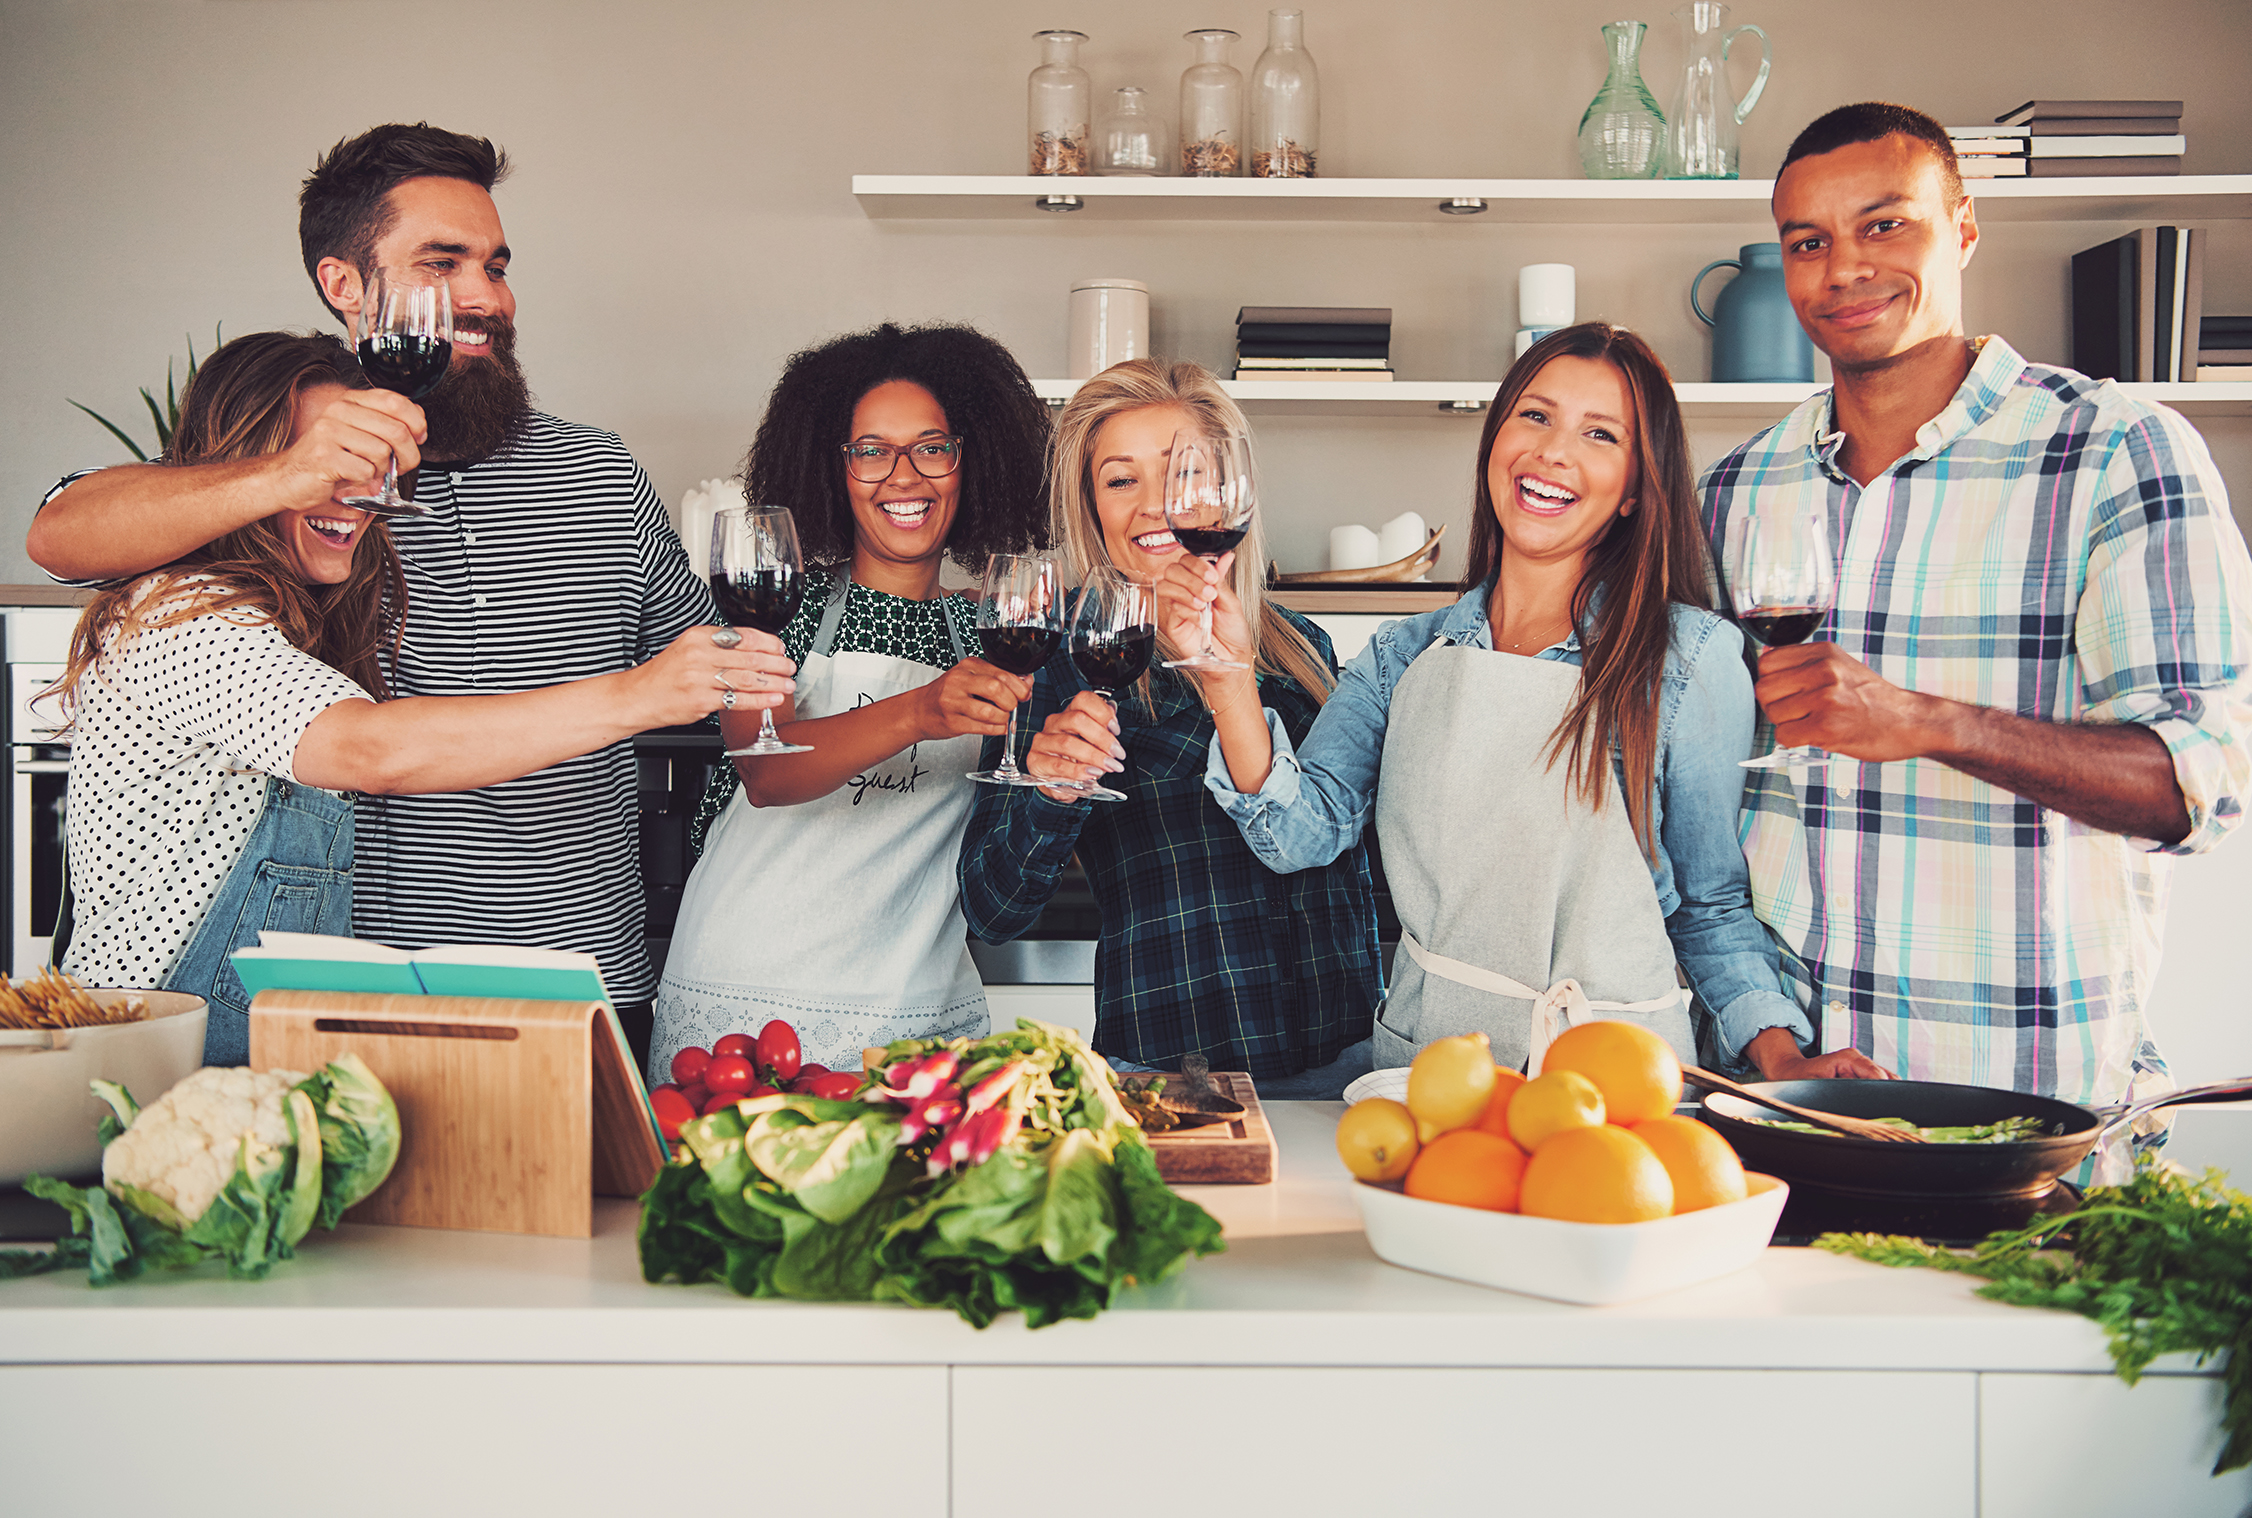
[48, 1116]
[1590, 1263]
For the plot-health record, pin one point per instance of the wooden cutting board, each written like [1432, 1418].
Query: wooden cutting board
[1236, 1153]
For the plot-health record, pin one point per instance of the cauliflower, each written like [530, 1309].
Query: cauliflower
[182, 1149]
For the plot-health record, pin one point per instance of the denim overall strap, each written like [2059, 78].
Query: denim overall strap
[294, 875]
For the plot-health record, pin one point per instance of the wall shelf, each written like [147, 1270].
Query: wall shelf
[986, 197]
[1468, 398]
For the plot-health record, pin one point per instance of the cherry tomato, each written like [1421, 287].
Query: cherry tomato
[837, 1087]
[778, 1050]
[720, 1103]
[761, 1090]
[666, 1086]
[736, 1043]
[729, 1075]
[672, 1110]
[688, 1065]
[807, 1072]
[697, 1094]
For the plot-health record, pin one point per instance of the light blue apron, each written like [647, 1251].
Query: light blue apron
[295, 876]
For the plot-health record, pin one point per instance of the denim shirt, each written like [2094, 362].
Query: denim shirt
[1318, 797]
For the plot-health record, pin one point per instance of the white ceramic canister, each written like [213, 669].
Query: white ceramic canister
[1109, 325]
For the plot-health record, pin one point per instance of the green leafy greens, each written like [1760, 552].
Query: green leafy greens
[795, 1196]
[2163, 1262]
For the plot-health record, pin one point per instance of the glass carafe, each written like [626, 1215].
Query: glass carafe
[1130, 139]
[1285, 103]
[1211, 108]
[1701, 128]
[1622, 136]
[1059, 98]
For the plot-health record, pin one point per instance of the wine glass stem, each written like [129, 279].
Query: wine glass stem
[1206, 622]
[766, 732]
[1009, 747]
[391, 481]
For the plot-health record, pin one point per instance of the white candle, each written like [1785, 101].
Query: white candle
[1401, 536]
[1353, 547]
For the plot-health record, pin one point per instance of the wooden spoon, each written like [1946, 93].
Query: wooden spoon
[1851, 1127]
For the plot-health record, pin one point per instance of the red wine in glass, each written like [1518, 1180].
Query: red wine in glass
[1783, 577]
[1113, 660]
[407, 362]
[762, 598]
[1780, 626]
[404, 333]
[1208, 542]
[1210, 490]
[1018, 627]
[1113, 638]
[1019, 650]
[758, 579]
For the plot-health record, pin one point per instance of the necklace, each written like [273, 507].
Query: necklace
[1557, 627]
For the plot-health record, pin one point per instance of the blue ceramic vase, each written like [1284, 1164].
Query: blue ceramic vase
[1756, 337]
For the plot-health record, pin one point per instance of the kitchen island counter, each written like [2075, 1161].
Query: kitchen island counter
[1295, 1366]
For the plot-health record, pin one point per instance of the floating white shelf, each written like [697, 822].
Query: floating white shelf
[2167, 197]
[1469, 397]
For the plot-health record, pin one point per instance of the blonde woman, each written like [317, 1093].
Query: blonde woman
[1203, 950]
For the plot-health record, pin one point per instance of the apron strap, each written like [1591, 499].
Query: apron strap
[832, 614]
[946, 615]
[1561, 1006]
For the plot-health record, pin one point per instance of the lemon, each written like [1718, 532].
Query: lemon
[1449, 1084]
[1549, 1104]
[1376, 1139]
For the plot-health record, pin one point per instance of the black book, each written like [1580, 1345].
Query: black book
[1358, 316]
[1251, 347]
[2059, 110]
[2103, 309]
[1313, 332]
[2076, 168]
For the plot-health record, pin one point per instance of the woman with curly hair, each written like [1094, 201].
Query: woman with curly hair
[825, 895]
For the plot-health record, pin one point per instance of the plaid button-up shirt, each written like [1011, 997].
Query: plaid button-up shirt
[1203, 948]
[2050, 548]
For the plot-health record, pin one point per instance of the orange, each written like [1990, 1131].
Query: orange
[1376, 1139]
[1495, 1119]
[1469, 1169]
[1595, 1175]
[1634, 1068]
[1705, 1171]
[1551, 1102]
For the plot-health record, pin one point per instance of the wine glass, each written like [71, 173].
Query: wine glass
[1210, 488]
[758, 579]
[1784, 579]
[1019, 624]
[405, 335]
[1113, 635]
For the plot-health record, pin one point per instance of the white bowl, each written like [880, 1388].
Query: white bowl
[49, 1119]
[1570, 1262]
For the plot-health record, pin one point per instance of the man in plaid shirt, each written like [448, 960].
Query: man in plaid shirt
[2034, 684]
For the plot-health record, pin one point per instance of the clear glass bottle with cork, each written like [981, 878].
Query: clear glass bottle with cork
[1130, 138]
[1285, 136]
[1059, 100]
[1211, 108]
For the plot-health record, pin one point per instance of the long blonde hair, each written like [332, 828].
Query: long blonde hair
[1277, 647]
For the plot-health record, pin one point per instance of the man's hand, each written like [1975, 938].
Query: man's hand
[972, 697]
[1078, 743]
[1777, 1055]
[1818, 693]
[690, 679]
[351, 441]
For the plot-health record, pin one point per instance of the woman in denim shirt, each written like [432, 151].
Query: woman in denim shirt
[1486, 739]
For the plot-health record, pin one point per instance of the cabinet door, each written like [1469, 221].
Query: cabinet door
[1139, 1440]
[348, 1440]
[2093, 1444]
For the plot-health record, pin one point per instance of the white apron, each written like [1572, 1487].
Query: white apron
[1522, 910]
[841, 916]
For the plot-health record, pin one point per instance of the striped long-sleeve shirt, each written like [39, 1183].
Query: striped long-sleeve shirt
[2051, 548]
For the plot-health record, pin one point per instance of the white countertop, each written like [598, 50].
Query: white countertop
[1297, 1286]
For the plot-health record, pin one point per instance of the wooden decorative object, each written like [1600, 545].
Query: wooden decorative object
[1420, 562]
[514, 1114]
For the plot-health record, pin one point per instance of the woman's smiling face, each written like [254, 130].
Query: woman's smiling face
[322, 540]
[902, 518]
[1562, 466]
[1127, 462]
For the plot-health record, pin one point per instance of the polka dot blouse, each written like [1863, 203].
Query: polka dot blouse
[175, 731]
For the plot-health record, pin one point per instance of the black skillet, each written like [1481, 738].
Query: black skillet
[1870, 1167]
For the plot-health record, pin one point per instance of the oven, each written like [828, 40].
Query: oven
[38, 646]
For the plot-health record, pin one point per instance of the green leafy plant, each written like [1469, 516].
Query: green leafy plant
[167, 416]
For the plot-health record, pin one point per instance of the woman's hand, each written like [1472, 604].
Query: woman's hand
[691, 678]
[1186, 588]
[972, 697]
[1078, 743]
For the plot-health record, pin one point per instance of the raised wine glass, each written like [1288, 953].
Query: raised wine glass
[1113, 635]
[1210, 490]
[1019, 624]
[1784, 580]
[405, 336]
[758, 579]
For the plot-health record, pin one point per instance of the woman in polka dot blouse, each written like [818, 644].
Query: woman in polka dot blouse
[224, 707]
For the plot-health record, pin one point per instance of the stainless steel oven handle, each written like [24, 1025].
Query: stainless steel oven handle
[43, 766]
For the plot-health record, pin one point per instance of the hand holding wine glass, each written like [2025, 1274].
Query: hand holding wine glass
[1783, 577]
[1112, 638]
[1019, 624]
[758, 579]
[404, 332]
[1211, 489]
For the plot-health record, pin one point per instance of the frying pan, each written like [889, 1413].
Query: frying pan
[1869, 1167]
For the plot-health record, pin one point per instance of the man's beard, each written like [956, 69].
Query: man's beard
[483, 404]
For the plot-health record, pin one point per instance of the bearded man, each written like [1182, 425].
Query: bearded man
[541, 554]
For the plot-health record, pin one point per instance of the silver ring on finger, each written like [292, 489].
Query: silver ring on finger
[727, 637]
[727, 698]
[724, 682]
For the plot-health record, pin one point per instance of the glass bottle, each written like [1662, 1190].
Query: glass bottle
[1622, 136]
[1703, 142]
[1211, 108]
[1059, 97]
[1285, 137]
[1130, 139]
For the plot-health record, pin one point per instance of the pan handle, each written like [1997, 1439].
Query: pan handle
[2239, 1089]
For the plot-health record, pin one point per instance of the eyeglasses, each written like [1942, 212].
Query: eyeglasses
[933, 457]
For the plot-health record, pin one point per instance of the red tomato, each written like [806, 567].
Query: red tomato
[735, 1043]
[672, 1108]
[838, 1087]
[697, 1095]
[778, 1050]
[667, 1086]
[729, 1075]
[688, 1065]
[807, 1072]
[720, 1103]
[761, 1090]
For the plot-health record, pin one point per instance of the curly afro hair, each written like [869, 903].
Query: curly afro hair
[797, 458]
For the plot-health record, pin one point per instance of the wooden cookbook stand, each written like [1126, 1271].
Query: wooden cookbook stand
[514, 1115]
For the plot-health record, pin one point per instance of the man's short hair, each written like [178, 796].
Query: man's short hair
[345, 209]
[1873, 121]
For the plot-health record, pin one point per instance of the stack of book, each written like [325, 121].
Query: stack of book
[2224, 348]
[1313, 343]
[2050, 139]
[2137, 306]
